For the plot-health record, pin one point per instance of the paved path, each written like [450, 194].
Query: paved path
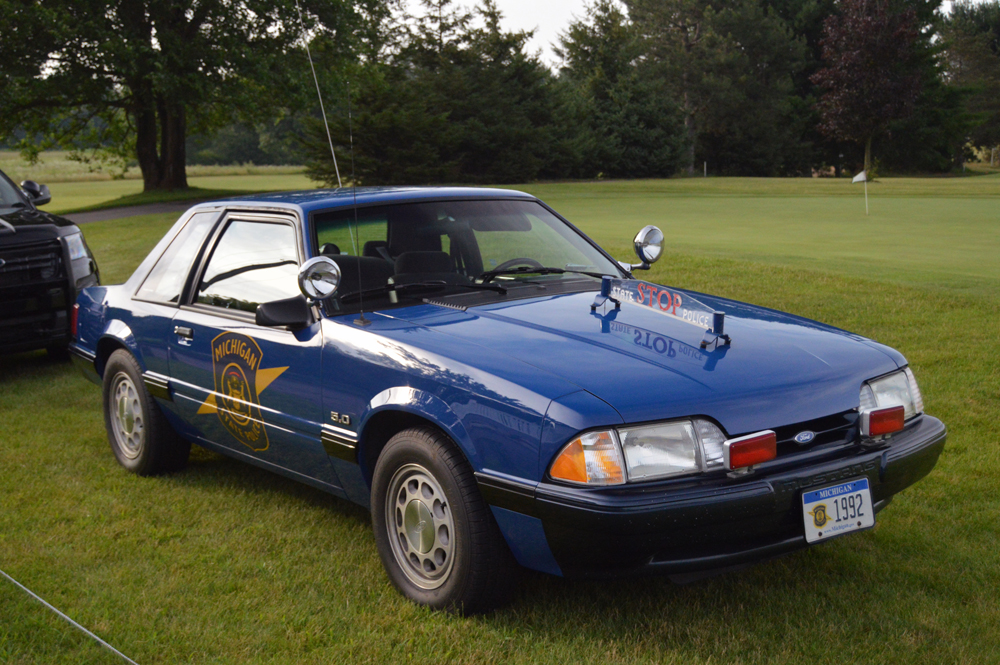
[131, 211]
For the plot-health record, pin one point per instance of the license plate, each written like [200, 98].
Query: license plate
[838, 509]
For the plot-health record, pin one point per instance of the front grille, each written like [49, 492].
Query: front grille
[829, 431]
[40, 330]
[31, 264]
[33, 295]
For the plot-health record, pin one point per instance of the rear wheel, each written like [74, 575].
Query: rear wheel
[140, 437]
[436, 536]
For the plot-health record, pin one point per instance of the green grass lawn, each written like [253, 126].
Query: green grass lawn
[226, 563]
[926, 231]
[75, 187]
[74, 196]
[55, 166]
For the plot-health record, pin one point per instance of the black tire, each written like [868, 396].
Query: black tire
[462, 562]
[141, 439]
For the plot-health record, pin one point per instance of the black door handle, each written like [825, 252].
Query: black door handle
[184, 331]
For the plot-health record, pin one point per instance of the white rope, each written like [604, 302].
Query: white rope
[72, 623]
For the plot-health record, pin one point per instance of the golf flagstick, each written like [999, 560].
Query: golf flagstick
[863, 177]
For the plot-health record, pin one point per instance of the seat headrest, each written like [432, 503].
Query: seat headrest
[371, 248]
[423, 262]
[412, 235]
[373, 273]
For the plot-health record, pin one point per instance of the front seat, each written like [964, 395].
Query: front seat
[414, 267]
[359, 273]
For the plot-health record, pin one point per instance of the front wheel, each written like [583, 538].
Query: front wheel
[141, 439]
[436, 536]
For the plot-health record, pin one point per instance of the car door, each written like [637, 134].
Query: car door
[252, 389]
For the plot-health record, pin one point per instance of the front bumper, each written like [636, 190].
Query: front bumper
[706, 524]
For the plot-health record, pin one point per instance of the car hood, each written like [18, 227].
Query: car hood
[23, 225]
[779, 370]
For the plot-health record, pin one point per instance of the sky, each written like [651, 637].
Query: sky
[547, 18]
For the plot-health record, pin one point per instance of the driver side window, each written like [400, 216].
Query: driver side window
[252, 263]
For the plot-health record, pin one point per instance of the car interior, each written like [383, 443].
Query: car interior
[449, 243]
[416, 249]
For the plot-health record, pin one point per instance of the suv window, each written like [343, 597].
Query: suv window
[10, 197]
[252, 263]
[166, 279]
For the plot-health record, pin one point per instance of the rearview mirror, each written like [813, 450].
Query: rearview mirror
[39, 194]
[319, 278]
[291, 312]
[648, 245]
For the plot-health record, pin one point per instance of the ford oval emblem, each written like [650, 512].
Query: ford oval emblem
[804, 437]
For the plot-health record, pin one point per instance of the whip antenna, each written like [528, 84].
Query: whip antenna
[319, 94]
[361, 320]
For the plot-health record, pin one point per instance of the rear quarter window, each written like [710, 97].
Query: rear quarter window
[166, 280]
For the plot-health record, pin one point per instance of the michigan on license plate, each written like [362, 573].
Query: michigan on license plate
[836, 510]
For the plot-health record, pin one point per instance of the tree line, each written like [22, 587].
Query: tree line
[643, 88]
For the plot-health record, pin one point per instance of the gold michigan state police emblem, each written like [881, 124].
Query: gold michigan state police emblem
[239, 381]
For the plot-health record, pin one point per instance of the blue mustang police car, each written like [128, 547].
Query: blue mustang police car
[497, 389]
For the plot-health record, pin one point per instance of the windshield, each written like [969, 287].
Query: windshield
[430, 249]
[9, 196]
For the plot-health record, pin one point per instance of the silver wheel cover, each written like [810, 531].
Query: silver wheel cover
[127, 419]
[420, 526]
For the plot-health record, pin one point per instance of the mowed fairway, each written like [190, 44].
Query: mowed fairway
[69, 196]
[225, 563]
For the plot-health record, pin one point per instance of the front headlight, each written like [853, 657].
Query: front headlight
[898, 388]
[76, 246]
[646, 452]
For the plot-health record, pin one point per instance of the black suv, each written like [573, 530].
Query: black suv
[44, 263]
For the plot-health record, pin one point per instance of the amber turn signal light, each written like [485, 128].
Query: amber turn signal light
[749, 450]
[879, 422]
[591, 459]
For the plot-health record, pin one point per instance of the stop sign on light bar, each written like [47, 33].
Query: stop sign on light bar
[749, 450]
[879, 422]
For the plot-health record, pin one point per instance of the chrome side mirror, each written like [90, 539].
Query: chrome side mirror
[319, 278]
[648, 245]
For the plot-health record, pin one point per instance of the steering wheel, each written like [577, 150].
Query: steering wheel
[523, 261]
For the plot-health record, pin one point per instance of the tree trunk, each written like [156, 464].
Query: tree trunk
[160, 146]
[868, 155]
[689, 130]
[145, 148]
[173, 152]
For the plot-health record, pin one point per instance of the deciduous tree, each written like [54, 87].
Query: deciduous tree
[872, 75]
[135, 76]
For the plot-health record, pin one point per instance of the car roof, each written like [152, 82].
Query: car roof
[311, 200]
